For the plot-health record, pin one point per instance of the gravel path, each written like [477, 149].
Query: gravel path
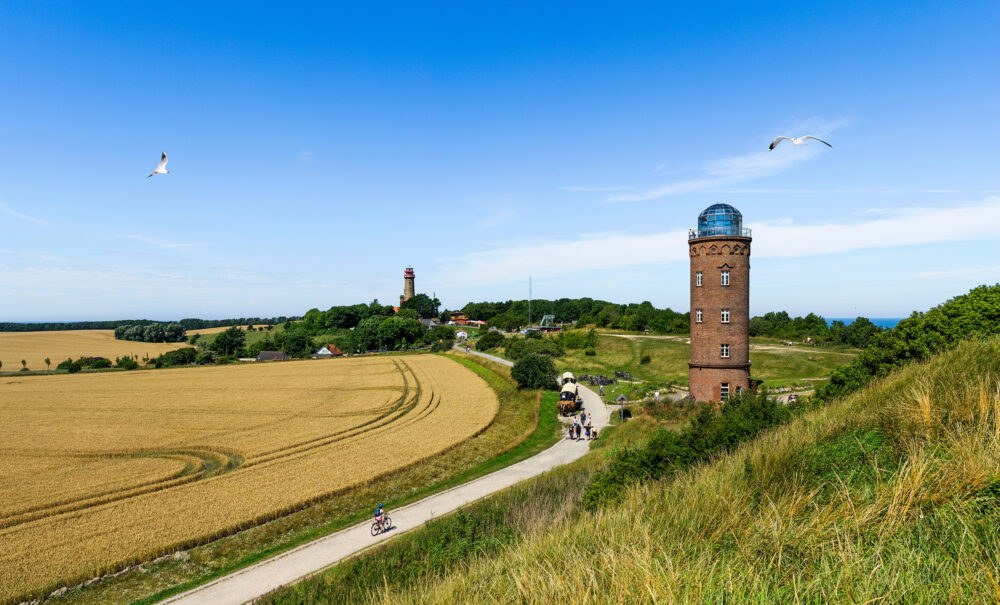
[298, 563]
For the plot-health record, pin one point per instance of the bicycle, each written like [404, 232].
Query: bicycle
[385, 525]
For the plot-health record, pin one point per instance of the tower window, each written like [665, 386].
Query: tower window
[697, 316]
[724, 390]
[725, 351]
[725, 316]
[725, 278]
[697, 278]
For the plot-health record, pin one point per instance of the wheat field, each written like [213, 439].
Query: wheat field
[99, 471]
[34, 347]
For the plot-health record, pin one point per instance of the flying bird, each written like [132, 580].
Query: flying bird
[794, 140]
[161, 168]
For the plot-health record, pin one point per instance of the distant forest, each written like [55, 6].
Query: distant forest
[188, 324]
[637, 317]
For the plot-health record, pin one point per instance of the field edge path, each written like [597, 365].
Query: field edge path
[307, 559]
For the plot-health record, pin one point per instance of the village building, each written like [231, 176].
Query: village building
[273, 356]
[327, 351]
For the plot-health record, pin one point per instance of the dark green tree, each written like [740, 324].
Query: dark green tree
[535, 371]
[229, 342]
[424, 305]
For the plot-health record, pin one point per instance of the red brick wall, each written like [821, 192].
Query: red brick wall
[708, 369]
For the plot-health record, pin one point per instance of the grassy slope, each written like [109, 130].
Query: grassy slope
[523, 427]
[890, 495]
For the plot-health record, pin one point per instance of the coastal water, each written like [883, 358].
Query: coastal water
[882, 322]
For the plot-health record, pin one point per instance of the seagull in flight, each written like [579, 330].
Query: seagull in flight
[161, 168]
[794, 140]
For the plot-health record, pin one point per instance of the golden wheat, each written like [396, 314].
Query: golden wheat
[34, 347]
[293, 432]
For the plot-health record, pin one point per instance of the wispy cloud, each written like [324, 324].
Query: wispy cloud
[597, 189]
[727, 171]
[161, 243]
[977, 272]
[740, 168]
[773, 239]
[497, 219]
[24, 217]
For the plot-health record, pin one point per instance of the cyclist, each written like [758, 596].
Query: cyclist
[379, 513]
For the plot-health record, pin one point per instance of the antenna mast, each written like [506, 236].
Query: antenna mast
[529, 301]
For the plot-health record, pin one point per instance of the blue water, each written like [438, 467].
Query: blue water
[882, 322]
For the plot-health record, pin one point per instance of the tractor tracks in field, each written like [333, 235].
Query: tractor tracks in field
[203, 462]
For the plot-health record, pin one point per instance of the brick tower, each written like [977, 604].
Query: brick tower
[720, 304]
[408, 290]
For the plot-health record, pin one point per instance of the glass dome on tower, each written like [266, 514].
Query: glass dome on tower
[721, 219]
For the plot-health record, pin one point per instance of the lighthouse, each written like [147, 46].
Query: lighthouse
[408, 290]
[720, 304]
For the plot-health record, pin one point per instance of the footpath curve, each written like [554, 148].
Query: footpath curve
[296, 564]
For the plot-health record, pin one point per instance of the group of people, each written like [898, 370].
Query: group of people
[582, 428]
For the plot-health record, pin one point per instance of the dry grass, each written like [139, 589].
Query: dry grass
[888, 496]
[34, 347]
[230, 447]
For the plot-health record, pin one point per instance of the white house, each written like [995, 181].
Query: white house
[461, 335]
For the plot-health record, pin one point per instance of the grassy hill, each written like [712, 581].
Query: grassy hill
[891, 493]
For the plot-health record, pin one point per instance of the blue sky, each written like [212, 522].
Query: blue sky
[315, 152]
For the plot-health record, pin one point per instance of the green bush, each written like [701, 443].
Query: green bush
[490, 340]
[535, 371]
[180, 357]
[589, 351]
[712, 431]
[645, 359]
[516, 348]
[126, 363]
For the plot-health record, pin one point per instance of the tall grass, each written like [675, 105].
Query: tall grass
[890, 495]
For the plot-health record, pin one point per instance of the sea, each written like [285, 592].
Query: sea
[882, 322]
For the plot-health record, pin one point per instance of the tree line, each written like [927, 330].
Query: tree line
[780, 325]
[151, 332]
[189, 323]
[512, 314]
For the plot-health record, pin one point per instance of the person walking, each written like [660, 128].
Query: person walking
[590, 431]
[602, 390]
[583, 417]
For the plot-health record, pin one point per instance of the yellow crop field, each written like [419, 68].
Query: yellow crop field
[99, 471]
[34, 347]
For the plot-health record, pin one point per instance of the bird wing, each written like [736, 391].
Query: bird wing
[809, 136]
[163, 162]
[775, 142]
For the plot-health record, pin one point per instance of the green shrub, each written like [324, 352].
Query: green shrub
[180, 357]
[534, 371]
[490, 340]
[712, 431]
[516, 348]
[589, 351]
[126, 363]
[645, 359]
